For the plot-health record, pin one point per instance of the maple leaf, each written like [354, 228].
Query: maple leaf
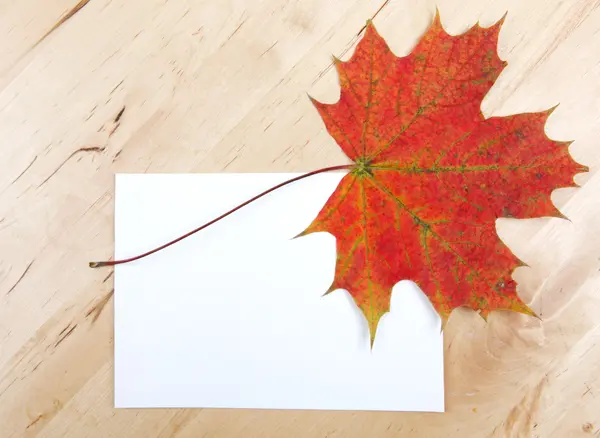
[431, 174]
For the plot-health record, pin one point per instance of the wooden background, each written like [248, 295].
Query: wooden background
[220, 85]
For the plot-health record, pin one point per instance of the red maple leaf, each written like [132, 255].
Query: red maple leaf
[431, 174]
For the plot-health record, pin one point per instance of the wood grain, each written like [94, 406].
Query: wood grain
[91, 88]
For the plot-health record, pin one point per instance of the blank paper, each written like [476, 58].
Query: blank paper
[235, 317]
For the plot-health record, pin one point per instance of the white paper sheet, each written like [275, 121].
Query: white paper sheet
[234, 316]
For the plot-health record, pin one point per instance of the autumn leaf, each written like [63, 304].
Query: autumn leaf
[431, 174]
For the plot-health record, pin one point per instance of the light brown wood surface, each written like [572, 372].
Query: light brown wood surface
[218, 86]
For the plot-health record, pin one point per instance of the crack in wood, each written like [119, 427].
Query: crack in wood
[348, 46]
[65, 334]
[99, 307]
[25, 170]
[268, 50]
[20, 278]
[115, 89]
[110, 274]
[235, 31]
[70, 14]
[78, 151]
[115, 158]
[34, 421]
[373, 17]
[119, 115]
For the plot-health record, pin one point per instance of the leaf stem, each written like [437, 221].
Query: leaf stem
[224, 215]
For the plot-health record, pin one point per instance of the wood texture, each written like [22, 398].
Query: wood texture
[217, 86]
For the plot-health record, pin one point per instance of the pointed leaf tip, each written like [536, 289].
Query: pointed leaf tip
[373, 320]
[369, 28]
[301, 234]
[497, 26]
[551, 109]
[372, 333]
[437, 18]
[331, 288]
[443, 322]
[560, 215]
[502, 19]
[484, 315]
[314, 101]
[521, 263]
[523, 308]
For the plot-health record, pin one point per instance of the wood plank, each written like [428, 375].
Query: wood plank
[207, 86]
